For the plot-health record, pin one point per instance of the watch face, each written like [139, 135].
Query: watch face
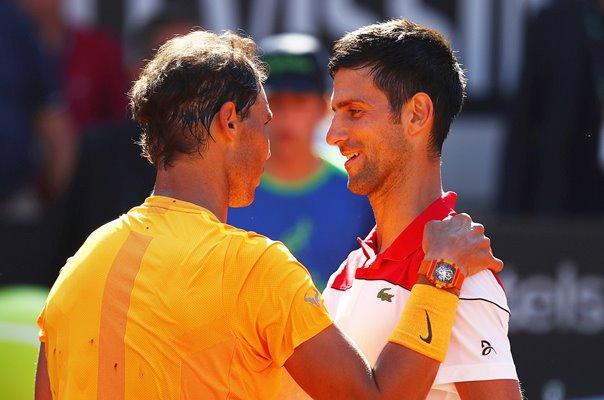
[444, 272]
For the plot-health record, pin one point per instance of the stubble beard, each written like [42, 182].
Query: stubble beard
[242, 190]
[365, 182]
[377, 180]
[240, 196]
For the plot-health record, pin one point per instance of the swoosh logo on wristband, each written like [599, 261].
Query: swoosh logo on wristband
[427, 339]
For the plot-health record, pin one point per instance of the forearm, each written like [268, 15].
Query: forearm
[405, 369]
[343, 372]
[408, 364]
[418, 344]
[401, 373]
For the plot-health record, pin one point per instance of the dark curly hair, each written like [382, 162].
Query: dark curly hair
[181, 89]
[406, 58]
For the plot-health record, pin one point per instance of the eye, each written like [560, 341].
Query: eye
[354, 113]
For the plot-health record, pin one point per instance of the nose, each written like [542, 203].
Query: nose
[335, 133]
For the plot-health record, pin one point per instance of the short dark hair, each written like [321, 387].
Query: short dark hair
[406, 58]
[182, 88]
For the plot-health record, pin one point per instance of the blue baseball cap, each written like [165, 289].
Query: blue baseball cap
[297, 62]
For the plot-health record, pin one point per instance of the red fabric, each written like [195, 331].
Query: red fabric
[93, 77]
[400, 262]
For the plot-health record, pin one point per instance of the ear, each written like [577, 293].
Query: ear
[419, 113]
[227, 120]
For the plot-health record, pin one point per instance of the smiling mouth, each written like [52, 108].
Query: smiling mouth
[351, 156]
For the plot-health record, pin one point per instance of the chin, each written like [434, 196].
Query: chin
[357, 188]
[241, 201]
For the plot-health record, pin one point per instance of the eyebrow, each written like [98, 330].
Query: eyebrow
[346, 103]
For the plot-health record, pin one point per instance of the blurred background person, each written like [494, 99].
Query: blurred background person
[26, 90]
[34, 124]
[302, 200]
[87, 61]
[31, 118]
[552, 164]
[87, 64]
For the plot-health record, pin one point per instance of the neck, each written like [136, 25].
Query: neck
[293, 169]
[184, 181]
[396, 206]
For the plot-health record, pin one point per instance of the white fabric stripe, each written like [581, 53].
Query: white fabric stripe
[19, 333]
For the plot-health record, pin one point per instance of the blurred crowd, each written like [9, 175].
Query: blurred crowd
[69, 157]
[69, 162]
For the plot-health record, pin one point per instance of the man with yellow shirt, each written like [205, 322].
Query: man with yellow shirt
[170, 302]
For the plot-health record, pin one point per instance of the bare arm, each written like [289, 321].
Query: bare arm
[42, 383]
[329, 366]
[499, 389]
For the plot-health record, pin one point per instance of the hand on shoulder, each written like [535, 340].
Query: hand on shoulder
[461, 240]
